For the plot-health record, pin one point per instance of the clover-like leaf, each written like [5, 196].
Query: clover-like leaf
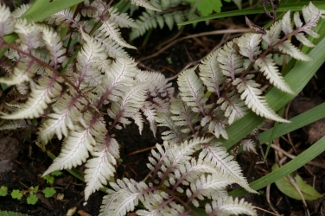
[49, 192]
[3, 191]
[32, 199]
[16, 194]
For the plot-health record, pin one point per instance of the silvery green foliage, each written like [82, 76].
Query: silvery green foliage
[72, 97]
[182, 176]
[167, 13]
[223, 87]
[71, 90]
[171, 12]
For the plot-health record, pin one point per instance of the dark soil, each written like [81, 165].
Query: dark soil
[30, 162]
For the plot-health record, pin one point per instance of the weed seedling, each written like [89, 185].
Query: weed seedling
[31, 192]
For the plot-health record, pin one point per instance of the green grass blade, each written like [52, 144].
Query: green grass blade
[42, 9]
[297, 122]
[306, 156]
[244, 12]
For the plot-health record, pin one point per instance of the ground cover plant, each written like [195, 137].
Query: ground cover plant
[82, 87]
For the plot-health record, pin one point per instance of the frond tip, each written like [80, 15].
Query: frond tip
[228, 206]
[7, 23]
[251, 94]
[39, 99]
[74, 152]
[100, 168]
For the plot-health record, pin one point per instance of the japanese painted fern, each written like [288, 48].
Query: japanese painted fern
[82, 92]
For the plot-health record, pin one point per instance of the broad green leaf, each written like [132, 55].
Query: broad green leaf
[42, 9]
[287, 188]
[16, 194]
[49, 192]
[49, 179]
[56, 173]
[32, 199]
[244, 12]
[206, 7]
[3, 191]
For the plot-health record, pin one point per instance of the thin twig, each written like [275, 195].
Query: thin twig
[268, 189]
[217, 32]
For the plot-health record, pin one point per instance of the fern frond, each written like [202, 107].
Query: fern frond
[123, 198]
[65, 18]
[230, 62]
[128, 105]
[151, 20]
[41, 95]
[157, 206]
[308, 29]
[183, 116]
[146, 4]
[15, 124]
[25, 69]
[273, 34]
[287, 23]
[162, 165]
[208, 187]
[18, 12]
[227, 206]
[54, 45]
[173, 18]
[61, 119]
[118, 76]
[88, 61]
[110, 30]
[123, 20]
[233, 107]
[302, 38]
[7, 23]
[147, 20]
[311, 15]
[174, 134]
[29, 34]
[112, 48]
[249, 45]
[271, 72]
[248, 145]
[192, 90]
[289, 49]
[210, 73]
[158, 95]
[189, 172]
[75, 150]
[159, 91]
[150, 113]
[93, 9]
[251, 94]
[219, 156]
[100, 168]
[216, 124]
